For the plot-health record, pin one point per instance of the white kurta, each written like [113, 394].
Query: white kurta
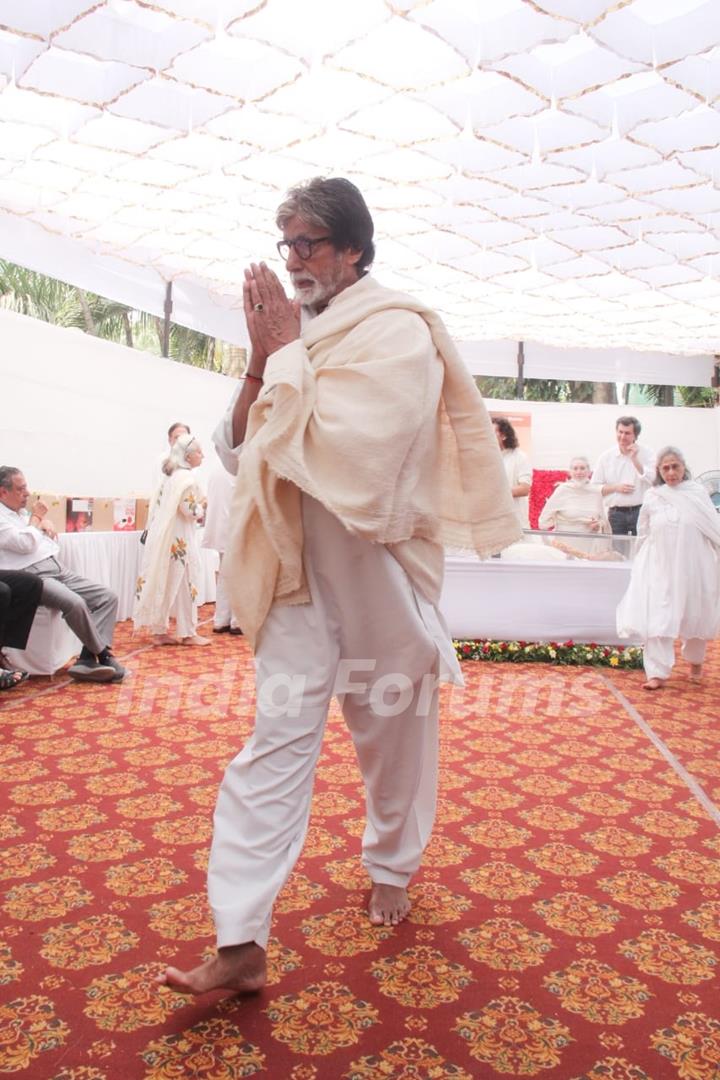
[217, 515]
[215, 535]
[518, 470]
[674, 589]
[571, 508]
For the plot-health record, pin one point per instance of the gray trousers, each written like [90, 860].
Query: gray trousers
[90, 610]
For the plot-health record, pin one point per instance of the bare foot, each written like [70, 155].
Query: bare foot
[653, 684]
[241, 968]
[165, 639]
[196, 639]
[389, 905]
[696, 672]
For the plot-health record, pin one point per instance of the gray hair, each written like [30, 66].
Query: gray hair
[334, 204]
[7, 472]
[579, 457]
[666, 452]
[177, 458]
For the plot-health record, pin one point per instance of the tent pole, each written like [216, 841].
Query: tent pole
[166, 324]
[520, 386]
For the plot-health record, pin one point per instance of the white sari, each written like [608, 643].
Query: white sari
[172, 559]
[674, 589]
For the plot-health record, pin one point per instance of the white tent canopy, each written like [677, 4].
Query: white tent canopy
[543, 170]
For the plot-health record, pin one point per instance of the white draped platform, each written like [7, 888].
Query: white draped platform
[526, 601]
[112, 558]
[495, 598]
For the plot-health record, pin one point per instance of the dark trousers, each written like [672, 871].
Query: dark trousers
[20, 594]
[624, 519]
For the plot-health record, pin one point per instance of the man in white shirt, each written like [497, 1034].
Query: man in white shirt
[626, 471]
[90, 610]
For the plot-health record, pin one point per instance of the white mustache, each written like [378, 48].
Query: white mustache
[296, 277]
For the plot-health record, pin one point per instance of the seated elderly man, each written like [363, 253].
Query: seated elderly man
[29, 543]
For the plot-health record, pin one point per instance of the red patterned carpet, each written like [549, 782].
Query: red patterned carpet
[566, 922]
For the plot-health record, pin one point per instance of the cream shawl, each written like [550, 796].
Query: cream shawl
[373, 413]
[572, 505]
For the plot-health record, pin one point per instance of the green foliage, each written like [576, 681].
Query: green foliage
[535, 389]
[53, 301]
[659, 394]
[697, 397]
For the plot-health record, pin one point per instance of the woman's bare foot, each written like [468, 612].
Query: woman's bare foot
[654, 684]
[241, 968]
[196, 639]
[389, 905]
[165, 639]
[696, 672]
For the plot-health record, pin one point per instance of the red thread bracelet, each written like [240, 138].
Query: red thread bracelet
[248, 375]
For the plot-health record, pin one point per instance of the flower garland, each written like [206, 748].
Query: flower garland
[544, 482]
[553, 652]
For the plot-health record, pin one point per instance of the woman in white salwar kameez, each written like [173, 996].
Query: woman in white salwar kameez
[168, 582]
[674, 589]
[577, 506]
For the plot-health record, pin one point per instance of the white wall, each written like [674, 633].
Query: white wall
[562, 429]
[82, 416]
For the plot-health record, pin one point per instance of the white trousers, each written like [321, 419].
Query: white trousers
[223, 608]
[659, 655]
[362, 638]
[185, 611]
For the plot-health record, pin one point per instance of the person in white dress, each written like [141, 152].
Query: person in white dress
[674, 589]
[215, 537]
[518, 469]
[576, 506]
[171, 570]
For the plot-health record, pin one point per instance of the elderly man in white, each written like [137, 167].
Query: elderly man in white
[625, 472]
[29, 542]
[365, 448]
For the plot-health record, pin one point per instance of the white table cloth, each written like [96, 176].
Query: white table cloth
[526, 601]
[112, 558]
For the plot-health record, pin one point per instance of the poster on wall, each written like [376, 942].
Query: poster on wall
[123, 515]
[79, 515]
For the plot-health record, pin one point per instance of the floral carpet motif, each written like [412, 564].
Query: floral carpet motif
[565, 924]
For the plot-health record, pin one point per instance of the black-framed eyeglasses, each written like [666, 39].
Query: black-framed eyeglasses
[304, 247]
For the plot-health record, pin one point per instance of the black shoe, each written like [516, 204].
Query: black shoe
[107, 659]
[91, 671]
[235, 630]
[221, 629]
